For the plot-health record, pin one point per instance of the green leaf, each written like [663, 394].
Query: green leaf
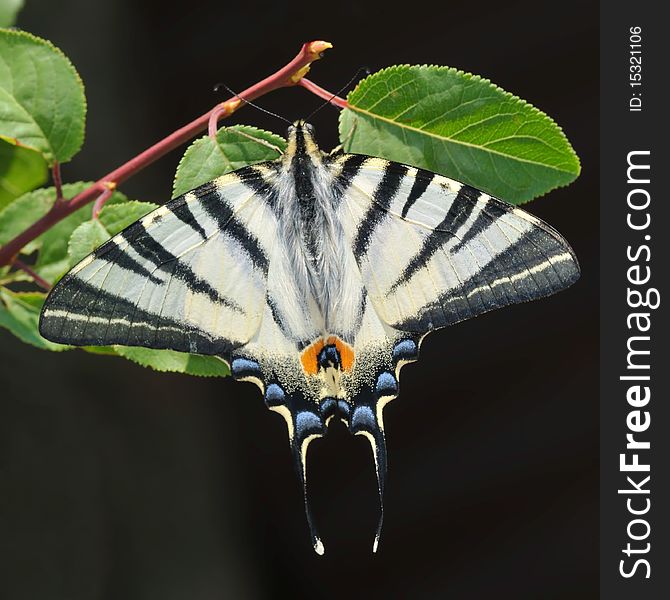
[235, 147]
[111, 220]
[42, 103]
[461, 126]
[21, 170]
[20, 313]
[86, 238]
[23, 212]
[52, 260]
[101, 350]
[180, 362]
[10, 275]
[116, 217]
[8, 11]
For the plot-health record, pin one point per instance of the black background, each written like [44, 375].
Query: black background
[118, 482]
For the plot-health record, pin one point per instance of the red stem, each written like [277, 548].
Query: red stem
[43, 283]
[325, 94]
[58, 181]
[218, 113]
[101, 200]
[289, 75]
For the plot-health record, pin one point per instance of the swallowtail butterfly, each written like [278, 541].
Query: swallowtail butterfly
[315, 276]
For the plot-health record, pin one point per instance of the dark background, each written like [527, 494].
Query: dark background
[119, 482]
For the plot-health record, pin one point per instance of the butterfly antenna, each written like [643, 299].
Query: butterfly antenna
[344, 87]
[218, 86]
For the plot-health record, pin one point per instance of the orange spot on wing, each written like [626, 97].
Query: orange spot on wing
[310, 355]
[346, 352]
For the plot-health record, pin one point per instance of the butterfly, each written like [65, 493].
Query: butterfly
[315, 276]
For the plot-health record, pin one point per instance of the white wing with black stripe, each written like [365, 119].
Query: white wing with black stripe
[433, 251]
[190, 276]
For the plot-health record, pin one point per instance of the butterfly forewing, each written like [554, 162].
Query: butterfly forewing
[190, 276]
[433, 251]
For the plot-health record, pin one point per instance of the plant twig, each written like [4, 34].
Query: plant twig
[325, 94]
[102, 199]
[290, 74]
[43, 283]
[58, 181]
[221, 112]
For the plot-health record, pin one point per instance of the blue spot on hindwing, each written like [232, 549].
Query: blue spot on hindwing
[274, 395]
[343, 407]
[387, 385]
[307, 422]
[331, 407]
[243, 367]
[363, 419]
[405, 350]
[327, 408]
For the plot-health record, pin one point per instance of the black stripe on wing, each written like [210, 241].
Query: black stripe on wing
[112, 253]
[181, 210]
[220, 211]
[457, 216]
[258, 183]
[493, 210]
[81, 314]
[422, 180]
[378, 210]
[351, 165]
[538, 264]
[141, 241]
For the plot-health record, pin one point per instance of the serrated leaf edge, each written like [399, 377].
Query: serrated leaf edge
[44, 42]
[478, 78]
[133, 360]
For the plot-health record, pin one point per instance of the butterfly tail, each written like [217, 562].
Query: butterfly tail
[301, 469]
[303, 422]
[364, 422]
[379, 452]
[307, 426]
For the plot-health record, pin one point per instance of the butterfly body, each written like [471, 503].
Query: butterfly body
[315, 277]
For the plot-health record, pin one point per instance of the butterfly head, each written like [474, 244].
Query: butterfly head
[301, 142]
